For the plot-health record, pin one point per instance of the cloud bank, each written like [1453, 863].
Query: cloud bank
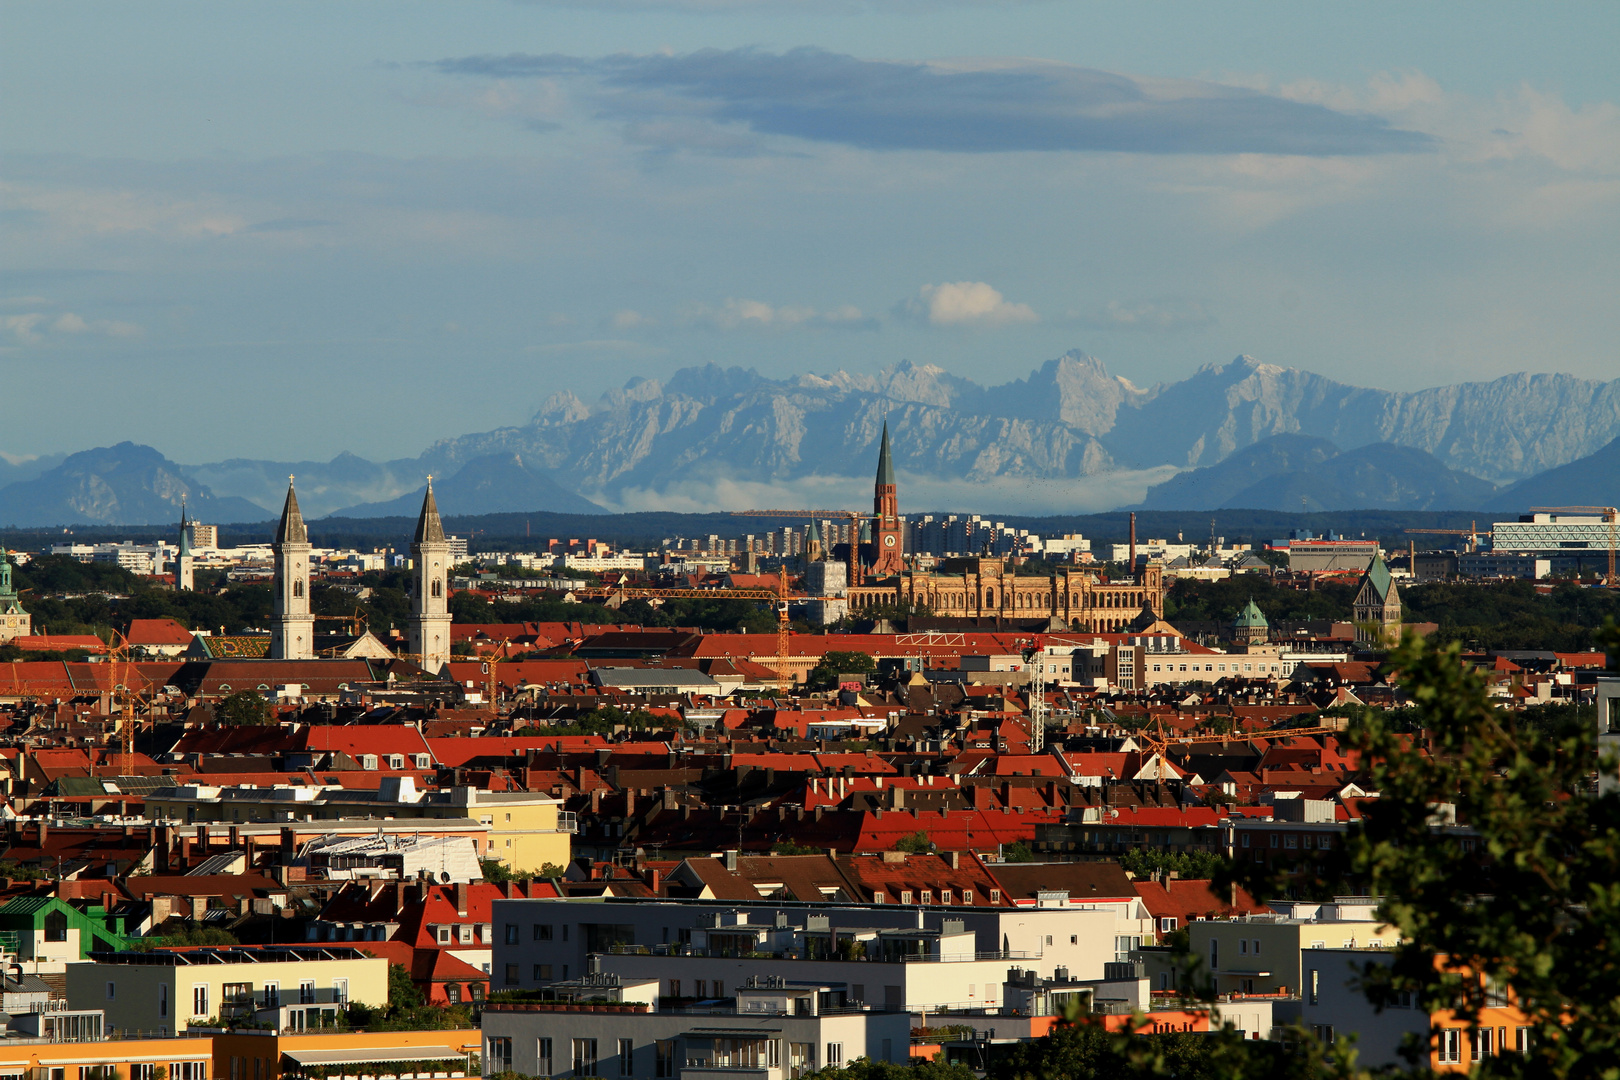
[964, 303]
[962, 107]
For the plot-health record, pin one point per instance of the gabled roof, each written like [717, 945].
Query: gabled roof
[157, 632]
[1377, 575]
[1081, 880]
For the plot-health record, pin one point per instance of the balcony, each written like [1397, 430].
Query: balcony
[567, 821]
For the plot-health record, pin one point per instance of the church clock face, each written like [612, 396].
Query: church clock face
[888, 541]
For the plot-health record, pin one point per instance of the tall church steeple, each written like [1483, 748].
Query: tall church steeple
[888, 533]
[430, 599]
[183, 562]
[292, 633]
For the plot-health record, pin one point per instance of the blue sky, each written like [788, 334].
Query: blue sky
[286, 230]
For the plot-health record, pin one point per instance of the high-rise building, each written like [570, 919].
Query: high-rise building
[292, 632]
[430, 599]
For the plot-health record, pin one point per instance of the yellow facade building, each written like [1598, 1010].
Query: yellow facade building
[1077, 599]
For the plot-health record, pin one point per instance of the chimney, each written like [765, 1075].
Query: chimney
[731, 861]
[1133, 544]
[654, 880]
[462, 890]
[956, 860]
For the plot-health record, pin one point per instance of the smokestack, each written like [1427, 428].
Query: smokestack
[1133, 545]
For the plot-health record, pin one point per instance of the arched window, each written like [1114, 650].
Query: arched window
[298, 589]
[989, 598]
[438, 588]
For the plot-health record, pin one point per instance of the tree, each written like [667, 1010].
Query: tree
[917, 843]
[1017, 852]
[244, 708]
[864, 1068]
[824, 676]
[1520, 893]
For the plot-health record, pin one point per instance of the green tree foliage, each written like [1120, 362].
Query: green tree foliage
[1512, 614]
[1220, 601]
[824, 676]
[788, 847]
[1147, 862]
[244, 708]
[186, 935]
[866, 1069]
[916, 844]
[407, 1009]
[604, 720]
[497, 872]
[1017, 852]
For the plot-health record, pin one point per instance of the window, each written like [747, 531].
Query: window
[272, 995]
[141, 1070]
[584, 1057]
[1245, 839]
[1521, 1040]
[199, 1000]
[511, 974]
[452, 993]
[944, 896]
[627, 1049]
[1074, 939]
[1292, 841]
[1315, 992]
[542, 932]
[511, 933]
[1273, 839]
[995, 896]
[565, 931]
[967, 896]
[499, 1054]
[674, 988]
[423, 761]
[1451, 1044]
[340, 991]
[163, 1000]
[664, 1058]
[905, 896]
[699, 987]
[466, 934]
[1243, 946]
[879, 898]
[1166, 925]
[542, 1054]
[56, 925]
[542, 973]
[835, 1054]
[189, 1070]
[306, 992]
[1049, 939]
[396, 761]
[1256, 949]
[1482, 1043]
[1214, 954]
[926, 896]
[1323, 1032]
[112, 991]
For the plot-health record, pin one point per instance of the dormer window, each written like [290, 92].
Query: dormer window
[944, 896]
[995, 896]
[905, 896]
[927, 896]
[396, 761]
[368, 762]
[423, 761]
[967, 896]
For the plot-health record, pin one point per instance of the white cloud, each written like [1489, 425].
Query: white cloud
[33, 327]
[629, 320]
[1153, 316]
[736, 314]
[965, 303]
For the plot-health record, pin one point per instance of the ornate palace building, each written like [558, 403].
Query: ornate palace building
[985, 588]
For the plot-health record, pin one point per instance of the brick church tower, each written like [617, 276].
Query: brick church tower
[888, 543]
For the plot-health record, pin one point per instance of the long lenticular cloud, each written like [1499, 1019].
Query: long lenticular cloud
[964, 107]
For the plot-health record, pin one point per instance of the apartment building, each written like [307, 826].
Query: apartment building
[175, 989]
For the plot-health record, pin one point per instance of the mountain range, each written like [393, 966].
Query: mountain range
[1070, 437]
[1307, 474]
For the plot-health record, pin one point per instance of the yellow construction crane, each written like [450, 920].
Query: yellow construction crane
[124, 675]
[493, 661]
[1609, 515]
[1473, 533]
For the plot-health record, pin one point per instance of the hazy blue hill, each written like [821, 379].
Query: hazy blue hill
[127, 484]
[494, 484]
[1593, 480]
[1215, 486]
[1378, 477]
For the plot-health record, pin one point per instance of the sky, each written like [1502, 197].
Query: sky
[285, 230]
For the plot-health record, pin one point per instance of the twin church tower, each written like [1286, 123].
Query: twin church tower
[292, 632]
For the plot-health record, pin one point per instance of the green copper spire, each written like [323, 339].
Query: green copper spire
[885, 473]
[185, 530]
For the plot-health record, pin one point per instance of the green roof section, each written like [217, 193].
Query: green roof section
[885, 473]
[1378, 575]
[1251, 615]
[26, 915]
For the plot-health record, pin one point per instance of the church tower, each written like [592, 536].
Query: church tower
[887, 535]
[292, 633]
[430, 593]
[183, 569]
[14, 621]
